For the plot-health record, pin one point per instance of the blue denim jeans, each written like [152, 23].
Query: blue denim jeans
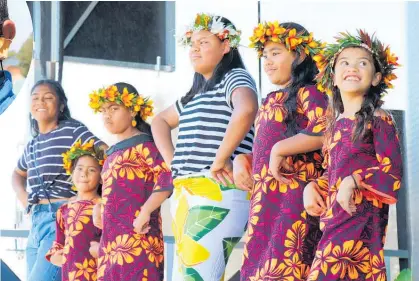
[41, 237]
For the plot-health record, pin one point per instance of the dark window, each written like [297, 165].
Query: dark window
[133, 32]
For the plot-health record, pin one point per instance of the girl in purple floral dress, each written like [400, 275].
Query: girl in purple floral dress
[363, 160]
[281, 237]
[136, 181]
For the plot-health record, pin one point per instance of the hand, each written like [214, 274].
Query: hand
[94, 249]
[345, 195]
[57, 258]
[97, 216]
[222, 171]
[141, 222]
[276, 163]
[313, 201]
[242, 172]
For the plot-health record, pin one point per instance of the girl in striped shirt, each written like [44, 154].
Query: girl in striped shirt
[40, 180]
[215, 124]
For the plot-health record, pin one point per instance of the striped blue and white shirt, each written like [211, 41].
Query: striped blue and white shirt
[49, 162]
[203, 123]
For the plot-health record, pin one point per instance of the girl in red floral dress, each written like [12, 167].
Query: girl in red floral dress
[136, 181]
[75, 229]
[286, 156]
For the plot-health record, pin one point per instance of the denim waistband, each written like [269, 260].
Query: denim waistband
[53, 207]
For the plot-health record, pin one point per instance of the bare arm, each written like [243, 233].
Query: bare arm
[19, 186]
[141, 222]
[97, 215]
[242, 171]
[161, 128]
[155, 200]
[57, 258]
[244, 114]
[300, 143]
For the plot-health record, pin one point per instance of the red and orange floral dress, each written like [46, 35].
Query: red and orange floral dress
[282, 238]
[75, 231]
[133, 170]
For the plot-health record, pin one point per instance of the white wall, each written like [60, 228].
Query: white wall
[166, 87]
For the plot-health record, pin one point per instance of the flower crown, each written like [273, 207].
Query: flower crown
[78, 150]
[214, 25]
[134, 102]
[386, 60]
[293, 41]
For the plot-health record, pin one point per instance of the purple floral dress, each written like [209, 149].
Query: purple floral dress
[351, 247]
[282, 238]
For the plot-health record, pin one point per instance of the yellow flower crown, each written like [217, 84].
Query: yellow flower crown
[78, 150]
[134, 102]
[293, 41]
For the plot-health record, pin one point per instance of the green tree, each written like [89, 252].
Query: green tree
[11, 54]
[25, 55]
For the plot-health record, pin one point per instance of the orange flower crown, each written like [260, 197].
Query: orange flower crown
[214, 25]
[293, 41]
[386, 60]
[134, 102]
[78, 150]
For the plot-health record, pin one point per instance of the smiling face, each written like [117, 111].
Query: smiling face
[86, 174]
[354, 71]
[45, 106]
[277, 63]
[117, 118]
[206, 52]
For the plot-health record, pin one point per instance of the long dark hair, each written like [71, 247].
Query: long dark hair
[302, 74]
[4, 14]
[372, 101]
[62, 102]
[142, 125]
[229, 61]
